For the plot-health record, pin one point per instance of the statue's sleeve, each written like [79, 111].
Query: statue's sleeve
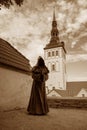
[36, 75]
[46, 76]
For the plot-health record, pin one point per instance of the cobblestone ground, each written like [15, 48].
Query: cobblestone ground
[57, 119]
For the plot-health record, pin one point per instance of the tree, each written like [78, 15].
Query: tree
[7, 3]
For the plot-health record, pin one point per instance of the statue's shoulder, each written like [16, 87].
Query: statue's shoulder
[35, 69]
[46, 70]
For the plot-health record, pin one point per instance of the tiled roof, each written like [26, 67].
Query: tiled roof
[54, 45]
[63, 93]
[11, 57]
[72, 89]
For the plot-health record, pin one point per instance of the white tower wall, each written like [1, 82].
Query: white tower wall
[57, 77]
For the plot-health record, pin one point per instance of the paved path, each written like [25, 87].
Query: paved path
[57, 119]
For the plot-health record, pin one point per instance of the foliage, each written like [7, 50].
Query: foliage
[7, 3]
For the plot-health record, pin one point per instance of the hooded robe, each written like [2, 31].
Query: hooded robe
[38, 100]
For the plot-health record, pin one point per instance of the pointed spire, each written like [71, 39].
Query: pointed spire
[54, 19]
[54, 40]
[54, 22]
[54, 31]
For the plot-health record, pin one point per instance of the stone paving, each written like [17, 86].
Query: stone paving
[57, 119]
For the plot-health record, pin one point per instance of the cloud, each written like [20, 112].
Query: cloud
[28, 28]
[84, 47]
[76, 57]
[73, 44]
[82, 3]
[82, 18]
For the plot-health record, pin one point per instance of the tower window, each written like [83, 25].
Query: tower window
[53, 67]
[52, 53]
[53, 34]
[56, 53]
[49, 54]
[83, 95]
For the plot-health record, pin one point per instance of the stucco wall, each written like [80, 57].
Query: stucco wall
[53, 94]
[15, 88]
[57, 78]
[82, 93]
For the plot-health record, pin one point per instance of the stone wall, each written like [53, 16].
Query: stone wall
[15, 88]
[67, 102]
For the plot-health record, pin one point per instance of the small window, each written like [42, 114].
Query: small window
[83, 95]
[56, 53]
[53, 95]
[49, 54]
[53, 34]
[53, 88]
[53, 67]
[52, 53]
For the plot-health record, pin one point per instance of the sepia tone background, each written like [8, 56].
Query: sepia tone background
[27, 28]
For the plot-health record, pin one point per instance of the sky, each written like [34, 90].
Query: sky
[28, 27]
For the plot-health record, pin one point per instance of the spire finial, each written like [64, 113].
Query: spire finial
[54, 19]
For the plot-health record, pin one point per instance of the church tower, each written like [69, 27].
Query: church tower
[55, 59]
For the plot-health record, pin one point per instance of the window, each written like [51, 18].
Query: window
[83, 95]
[53, 95]
[56, 53]
[53, 34]
[53, 67]
[49, 54]
[52, 53]
[53, 88]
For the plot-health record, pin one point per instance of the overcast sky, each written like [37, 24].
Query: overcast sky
[28, 28]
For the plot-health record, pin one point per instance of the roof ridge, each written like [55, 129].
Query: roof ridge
[12, 57]
[14, 48]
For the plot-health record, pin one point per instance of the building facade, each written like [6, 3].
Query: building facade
[55, 59]
[15, 78]
[73, 90]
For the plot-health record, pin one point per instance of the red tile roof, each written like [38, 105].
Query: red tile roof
[11, 57]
